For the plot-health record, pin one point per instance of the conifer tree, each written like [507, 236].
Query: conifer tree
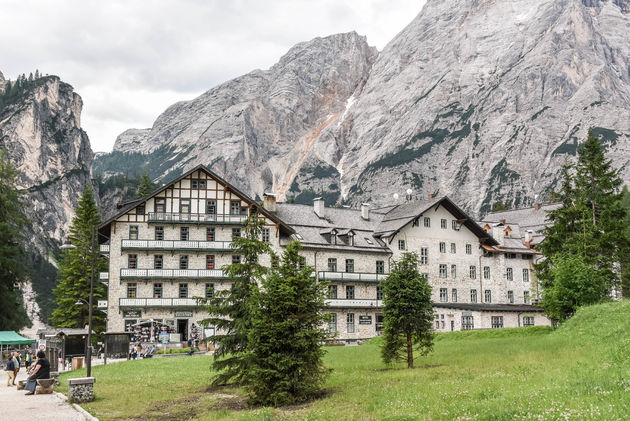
[287, 333]
[407, 312]
[231, 310]
[75, 269]
[146, 185]
[12, 272]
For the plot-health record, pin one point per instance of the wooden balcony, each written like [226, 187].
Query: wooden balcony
[195, 218]
[192, 274]
[352, 277]
[352, 303]
[168, 245]
[157, 302]
[104, 248]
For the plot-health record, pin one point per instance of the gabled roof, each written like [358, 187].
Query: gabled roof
[104, 227]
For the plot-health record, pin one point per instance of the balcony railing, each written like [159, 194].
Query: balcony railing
[351, 303]
[172, 274]
[177, 245]
[197, 218]
[157, 302]
[104, 248]
[352, 277]
[103, 276]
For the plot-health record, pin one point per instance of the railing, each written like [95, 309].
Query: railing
[177, 245]
[104, 248]
[103, 276]
[157, 302]
[351, 303]
[173, 273]
[352, 276]
[200, 218]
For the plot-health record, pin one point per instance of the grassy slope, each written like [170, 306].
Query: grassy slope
[579, 371]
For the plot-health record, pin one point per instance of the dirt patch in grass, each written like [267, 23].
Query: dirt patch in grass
[175, 410]
[417, 367]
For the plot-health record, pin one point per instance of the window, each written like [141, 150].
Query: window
[401, 245]
[454, 295]
[380, 266]
[349, 265]
[443, 273]
[510, 255]
[509, 274]
[453, 271]
[443, 295]
[209, 290]
[183, 233]
[473, 295]
[442, 247]
[473, 272]
[350, 322]
[454, 225]
[235, 207]
[511, 297]
[140, 209]
[453, 248]
[183, 290]
[132, 290]
[236, 233]
[236, 258]
[427, 222]
[527, 256]
[132, 261]
[210, 261]
[332, 292]
[379, 322]
[158, 261]
[157, 290]
[332, 264]
[133, 232]
[159, 233]
[265, 235]
[487, 296]
[210, 234]
[302, 262]
[437, 322]
[349, 292]
[211, 207]
[497, 322]
[525, 275]
[425, 275]
[184, 205]
[198, 184]
[526, 297]
[416, 222]
[183, 262]
[332, 323]
[528, 321]
[424, 256]
[443, 223]
[379, 293]
[468, 323]
[486, 272]
[468, 249]
[160, 205]
[275, 261]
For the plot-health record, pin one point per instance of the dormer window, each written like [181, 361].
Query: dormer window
[507, 231]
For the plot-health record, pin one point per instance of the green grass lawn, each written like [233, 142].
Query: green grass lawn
[580, 371]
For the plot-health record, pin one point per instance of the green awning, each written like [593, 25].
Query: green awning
[9, 337]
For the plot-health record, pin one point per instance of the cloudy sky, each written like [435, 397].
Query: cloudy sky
[129, 60]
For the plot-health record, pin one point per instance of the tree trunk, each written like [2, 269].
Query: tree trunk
[409, 351]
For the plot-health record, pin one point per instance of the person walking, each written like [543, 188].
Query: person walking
[41, 371]
[10, 369]
[28, 359]
[17, 361]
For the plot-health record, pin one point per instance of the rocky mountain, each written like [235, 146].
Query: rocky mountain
[40, 127]
[482, 100]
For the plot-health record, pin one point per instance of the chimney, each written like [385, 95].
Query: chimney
[318, 206]
[528, 238]
[269, 202]
[537, 206]
[502, 221]
[431, 196]
[365, 211]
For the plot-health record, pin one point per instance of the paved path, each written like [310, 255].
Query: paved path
[15, 406]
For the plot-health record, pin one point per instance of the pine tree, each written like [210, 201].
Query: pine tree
[146, 185]
[75, 270]
[287, 333]
[12, 272]
[231, 310]
[407, 312]
[590, 226]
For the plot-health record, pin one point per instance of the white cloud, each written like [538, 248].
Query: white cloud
[129, 60]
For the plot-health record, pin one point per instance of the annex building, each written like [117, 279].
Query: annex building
[169, 247]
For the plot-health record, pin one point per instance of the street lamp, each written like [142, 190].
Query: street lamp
[67, 246]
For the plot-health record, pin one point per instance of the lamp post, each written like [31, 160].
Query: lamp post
[68, 245]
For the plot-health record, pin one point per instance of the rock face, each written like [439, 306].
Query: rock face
[482, 100]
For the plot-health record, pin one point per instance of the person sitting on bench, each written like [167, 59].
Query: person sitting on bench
[41, 371]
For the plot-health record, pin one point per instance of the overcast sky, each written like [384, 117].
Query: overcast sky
[129, 60]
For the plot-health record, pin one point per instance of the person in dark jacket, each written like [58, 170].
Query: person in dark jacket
[10, 371]
[41, 371]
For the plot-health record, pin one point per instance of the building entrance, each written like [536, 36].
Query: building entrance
[182, 328]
